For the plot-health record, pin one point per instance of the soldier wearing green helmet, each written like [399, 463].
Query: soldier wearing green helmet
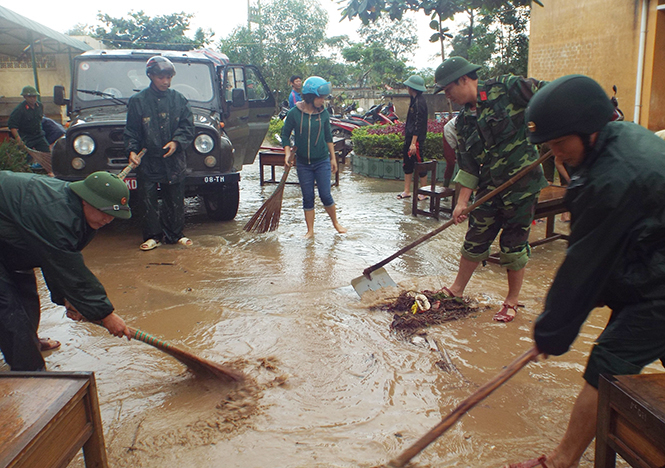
[616, 253]
[25, 121]
[492, 148]
[45, 223]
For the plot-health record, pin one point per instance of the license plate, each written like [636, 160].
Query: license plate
[131, 183]
[216, 179]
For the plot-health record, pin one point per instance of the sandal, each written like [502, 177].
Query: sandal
[47, 344]
[150, 244]
[533, 463]
[186, 241]
[445, 293]
[403, 196]
[505, 316]
[422, 197]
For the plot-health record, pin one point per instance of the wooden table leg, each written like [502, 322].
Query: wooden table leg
[94, 450]
[605, 456]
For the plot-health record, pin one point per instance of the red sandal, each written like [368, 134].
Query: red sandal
[505, 316]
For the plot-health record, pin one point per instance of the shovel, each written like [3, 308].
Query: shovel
[381, 277]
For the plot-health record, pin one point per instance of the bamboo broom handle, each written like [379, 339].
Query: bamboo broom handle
[129, 167]
[367, 272]
[478, 396]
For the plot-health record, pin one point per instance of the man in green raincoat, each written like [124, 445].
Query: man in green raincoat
[25, 121]
[616, 255]
[45, 223]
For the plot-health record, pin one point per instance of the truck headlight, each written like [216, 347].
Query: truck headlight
[210, 161]
[78, 163]
[204, 143]
[84, 145]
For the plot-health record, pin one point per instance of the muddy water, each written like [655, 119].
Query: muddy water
[328, 384]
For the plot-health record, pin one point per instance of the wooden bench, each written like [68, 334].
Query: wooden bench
[550, 203]
[631, 421]
[273, 159]
[47, 417]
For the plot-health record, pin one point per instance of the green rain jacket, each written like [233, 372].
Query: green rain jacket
[155, 118]
[312, 134]
[42, 226]
[28, 122]
[493, 145]
[616, 253]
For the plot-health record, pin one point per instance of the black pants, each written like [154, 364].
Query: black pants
[19, 320]
[168, 223]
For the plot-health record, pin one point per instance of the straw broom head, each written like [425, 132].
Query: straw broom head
[266, 219]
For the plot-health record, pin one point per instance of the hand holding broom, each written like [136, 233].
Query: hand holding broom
[132, 164]
[266, 219]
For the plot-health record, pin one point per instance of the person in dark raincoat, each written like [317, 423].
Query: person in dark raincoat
[616, 253]
[160, 120]
[45, 223]
[25, 121]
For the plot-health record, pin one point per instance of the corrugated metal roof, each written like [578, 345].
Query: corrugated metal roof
[15, 31]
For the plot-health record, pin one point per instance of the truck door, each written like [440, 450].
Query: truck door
[236, 118]
[261, 110]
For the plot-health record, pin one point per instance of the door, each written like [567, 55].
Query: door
[261, 109]
[236, 118]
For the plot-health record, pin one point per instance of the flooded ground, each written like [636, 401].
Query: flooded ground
[329, 385]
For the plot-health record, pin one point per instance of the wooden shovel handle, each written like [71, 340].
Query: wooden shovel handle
[367, 272]
[478, 396]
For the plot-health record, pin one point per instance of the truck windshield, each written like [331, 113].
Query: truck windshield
[99, 80]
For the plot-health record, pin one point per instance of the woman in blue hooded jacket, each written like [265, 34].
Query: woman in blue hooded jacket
[313, 149]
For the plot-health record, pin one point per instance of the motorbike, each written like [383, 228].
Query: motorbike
[389, 111]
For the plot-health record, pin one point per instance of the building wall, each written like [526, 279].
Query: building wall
[600, 38]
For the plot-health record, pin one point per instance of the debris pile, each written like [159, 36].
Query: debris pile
[414, 311]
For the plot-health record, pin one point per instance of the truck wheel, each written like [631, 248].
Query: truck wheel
[222, 204]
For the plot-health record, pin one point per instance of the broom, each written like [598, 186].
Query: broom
[266, 219]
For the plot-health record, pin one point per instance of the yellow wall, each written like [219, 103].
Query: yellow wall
[600, 38]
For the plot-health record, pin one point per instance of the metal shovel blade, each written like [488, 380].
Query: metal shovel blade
[379, 279]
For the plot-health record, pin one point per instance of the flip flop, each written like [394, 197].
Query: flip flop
[47, 344]
[422, 197]
[533, 463]
[150, 244]
[504, 316]
[186, 241]
[402, 196]
[445, 293]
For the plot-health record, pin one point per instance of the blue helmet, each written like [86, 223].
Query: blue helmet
[317, 86]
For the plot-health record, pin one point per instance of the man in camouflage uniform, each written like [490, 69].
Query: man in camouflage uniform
[492, 148]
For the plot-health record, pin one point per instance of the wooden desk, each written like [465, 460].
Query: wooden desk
[47, 417]
[550, 203]
[631, 421]
[275, 159]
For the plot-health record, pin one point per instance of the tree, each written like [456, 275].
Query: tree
[139, 31]
[439, 11]
[399, 36]
[288, 41]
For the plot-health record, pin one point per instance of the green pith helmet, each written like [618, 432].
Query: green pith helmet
[452, 69]
[416, 82]
[105, 192]
[29, 91]
[573, 104]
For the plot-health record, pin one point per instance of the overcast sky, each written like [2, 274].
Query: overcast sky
[221, 16]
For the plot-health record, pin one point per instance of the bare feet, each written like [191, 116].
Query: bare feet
[309, 235]
[340, 229]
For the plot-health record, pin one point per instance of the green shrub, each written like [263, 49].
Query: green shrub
[274, 130]
[13, 158]
[387, 141]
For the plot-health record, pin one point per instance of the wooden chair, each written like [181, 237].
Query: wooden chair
[435, 192]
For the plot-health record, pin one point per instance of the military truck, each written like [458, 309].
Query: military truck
[231, 103]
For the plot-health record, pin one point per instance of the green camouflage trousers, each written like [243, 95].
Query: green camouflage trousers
[514, 221]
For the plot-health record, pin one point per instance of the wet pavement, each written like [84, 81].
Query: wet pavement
[328, 384]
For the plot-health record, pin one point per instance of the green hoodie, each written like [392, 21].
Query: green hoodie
[312, 134]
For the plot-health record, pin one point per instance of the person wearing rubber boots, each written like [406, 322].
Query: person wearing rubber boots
[616, 253]
[45, 223]
[25, 121]
[160, 120]
[492, 148]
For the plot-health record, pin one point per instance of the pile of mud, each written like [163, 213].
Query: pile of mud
[414, 310]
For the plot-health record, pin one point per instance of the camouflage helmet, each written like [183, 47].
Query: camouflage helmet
[572, 104]
[105, 192]
[452, 69]
[29, 91]
[159, 65]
